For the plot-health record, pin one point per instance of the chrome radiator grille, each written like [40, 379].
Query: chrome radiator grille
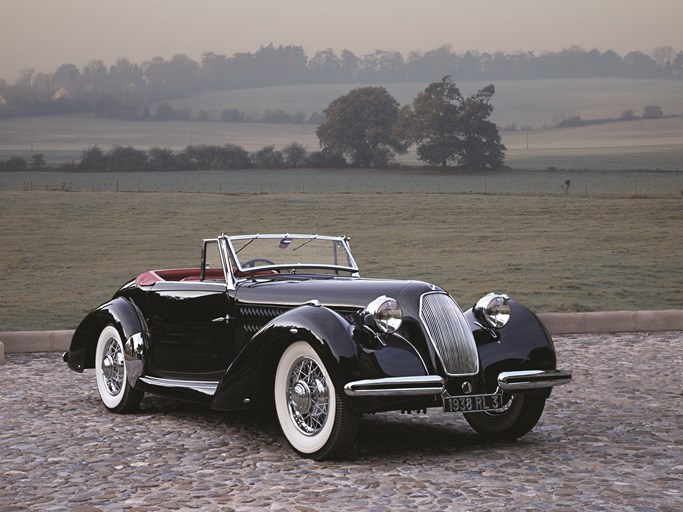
[449, 333]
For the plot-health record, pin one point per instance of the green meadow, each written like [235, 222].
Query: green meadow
[63, 253]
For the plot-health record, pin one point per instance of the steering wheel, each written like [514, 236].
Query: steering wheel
[257, 262]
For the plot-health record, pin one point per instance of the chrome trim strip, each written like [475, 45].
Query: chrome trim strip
[407, 341]
[396, 386]
[533, 379]
[202, 386]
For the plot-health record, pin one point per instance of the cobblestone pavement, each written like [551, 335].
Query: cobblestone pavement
[611, 440]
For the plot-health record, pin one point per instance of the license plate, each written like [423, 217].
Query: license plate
[471, 403]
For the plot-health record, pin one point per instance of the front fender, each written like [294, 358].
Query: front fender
[344, 348]
[123, 314]
[249, 378]
[523, 344]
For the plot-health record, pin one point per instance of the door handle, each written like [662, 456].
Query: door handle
[225, 319]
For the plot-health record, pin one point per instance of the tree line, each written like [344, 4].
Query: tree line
[192, 158]
[126, 89]
[366, 128]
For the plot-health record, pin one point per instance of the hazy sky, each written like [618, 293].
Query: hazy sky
[43, 34]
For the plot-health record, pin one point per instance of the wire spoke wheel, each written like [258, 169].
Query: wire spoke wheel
[313, 417]
[309, 397]
[110, 373]
[113, 369]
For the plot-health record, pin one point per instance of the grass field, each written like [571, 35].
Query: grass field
[63, 253]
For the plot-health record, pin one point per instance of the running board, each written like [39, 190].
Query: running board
[205, 387]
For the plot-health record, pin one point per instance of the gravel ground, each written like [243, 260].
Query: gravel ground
[611, 440]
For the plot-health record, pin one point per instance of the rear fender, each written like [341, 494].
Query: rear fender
[126, 317]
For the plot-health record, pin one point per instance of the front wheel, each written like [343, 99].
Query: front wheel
[111, 375]
[519, 416]
[313, 417]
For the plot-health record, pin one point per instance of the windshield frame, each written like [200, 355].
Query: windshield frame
[302, 239]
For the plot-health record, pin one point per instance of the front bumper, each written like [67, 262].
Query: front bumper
[532, 379]
[396, 386]
[435, 385]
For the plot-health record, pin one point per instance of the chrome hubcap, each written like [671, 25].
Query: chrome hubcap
[308, 396]
[301, 398]
[113, 367]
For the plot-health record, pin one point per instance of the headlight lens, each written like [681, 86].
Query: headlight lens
[385, 313]
[494, 309]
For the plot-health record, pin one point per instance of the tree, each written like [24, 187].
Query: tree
[321, 160]
[653, 112]
[268, 158]
[234, 157]
[232, 115]
[165, 112]
[38, 162]
[450, 128]
[67, 75]
[326, 67]
[93, 159]
[295, 155]
[127, 159]
[435, 122]
[628, 114]
[480, 145]
[360, 125]
[14, 164]
[664, 56]
[161, 159]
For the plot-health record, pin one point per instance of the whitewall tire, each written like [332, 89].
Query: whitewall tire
[313, 417]
[111, 375]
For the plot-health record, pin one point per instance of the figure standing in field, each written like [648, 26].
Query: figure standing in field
[565, 187]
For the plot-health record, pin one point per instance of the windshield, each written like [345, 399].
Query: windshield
[291, 252]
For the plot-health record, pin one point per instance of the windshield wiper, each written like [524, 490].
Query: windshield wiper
[306, 242]
[250, 241]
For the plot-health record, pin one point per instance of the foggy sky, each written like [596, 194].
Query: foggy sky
[43, 34]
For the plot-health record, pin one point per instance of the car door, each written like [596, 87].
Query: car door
[192, 331]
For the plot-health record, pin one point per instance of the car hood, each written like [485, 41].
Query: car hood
[335, 292]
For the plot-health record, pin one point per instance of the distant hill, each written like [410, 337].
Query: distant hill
[533, 103]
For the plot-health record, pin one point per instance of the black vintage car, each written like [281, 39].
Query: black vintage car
[287, 320]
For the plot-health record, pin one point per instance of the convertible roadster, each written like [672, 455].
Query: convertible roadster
[286, 321]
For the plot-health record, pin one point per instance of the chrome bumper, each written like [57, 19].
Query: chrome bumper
[532, 379]
[396, 386]
[434, 384]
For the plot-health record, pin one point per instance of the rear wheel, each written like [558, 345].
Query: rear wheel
[313, 417]
[111, 375]
[519, 416]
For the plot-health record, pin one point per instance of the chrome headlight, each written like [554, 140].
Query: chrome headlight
[385, 313]
[494, 309]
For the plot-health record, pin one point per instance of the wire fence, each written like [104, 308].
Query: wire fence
[644, 184]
